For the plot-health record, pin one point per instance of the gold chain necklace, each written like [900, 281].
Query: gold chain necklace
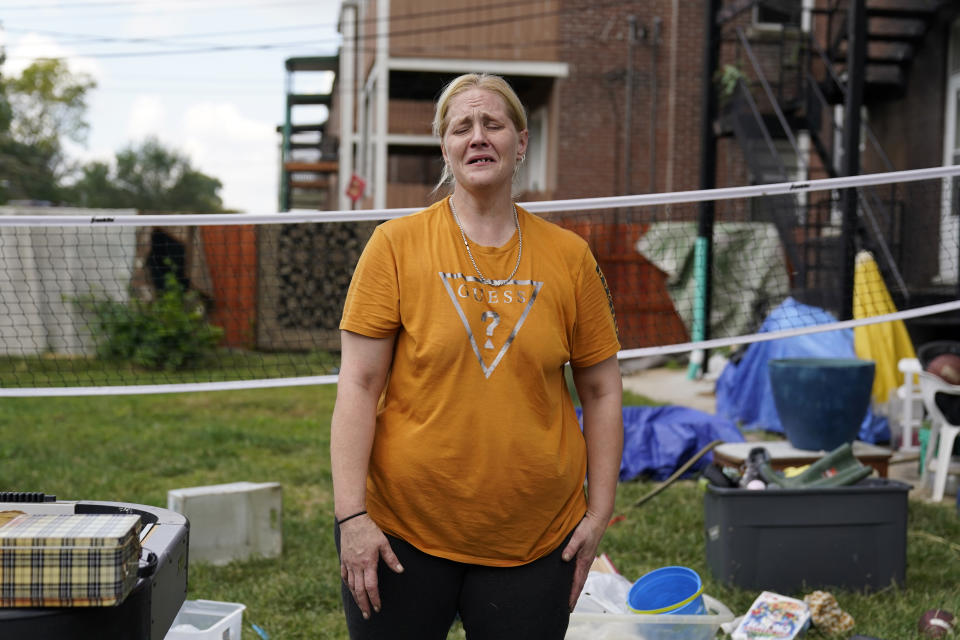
[485, 280]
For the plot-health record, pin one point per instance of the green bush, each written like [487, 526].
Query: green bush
[169, 332]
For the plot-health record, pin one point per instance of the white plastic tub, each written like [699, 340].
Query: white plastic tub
[634, 626]
[207, 620]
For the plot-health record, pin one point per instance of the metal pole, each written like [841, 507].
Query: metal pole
[957, 213]
[347, 83]
[856, 63]
[628, 109]
[381, 105]
[655, 45]
[703, 259]
[285, 148]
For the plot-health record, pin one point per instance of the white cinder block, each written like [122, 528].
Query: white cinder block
[231, 521]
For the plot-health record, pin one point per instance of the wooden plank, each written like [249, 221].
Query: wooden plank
[883, 51]
[895, 29]
[304, 128]
[328, 166]
[309, 184]
[313, 63]
[310, 98]
[903, 8]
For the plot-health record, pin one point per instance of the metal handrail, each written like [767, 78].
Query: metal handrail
[799, 265]
[770, 96]
[885, 160]
[867, 210]
[755, 111]
[828, 65]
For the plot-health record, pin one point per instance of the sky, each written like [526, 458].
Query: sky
[205, 77]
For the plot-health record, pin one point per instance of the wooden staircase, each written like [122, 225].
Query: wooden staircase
[308, 158]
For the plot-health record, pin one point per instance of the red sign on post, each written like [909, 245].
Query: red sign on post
[356, 187]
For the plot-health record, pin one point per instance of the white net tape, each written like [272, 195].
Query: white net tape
[652, 217]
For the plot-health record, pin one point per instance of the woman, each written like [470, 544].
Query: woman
[460, 491]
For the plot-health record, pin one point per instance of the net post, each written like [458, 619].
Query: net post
[856, 62]
[708, 180]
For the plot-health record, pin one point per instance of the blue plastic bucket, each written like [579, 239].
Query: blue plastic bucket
[671, 590]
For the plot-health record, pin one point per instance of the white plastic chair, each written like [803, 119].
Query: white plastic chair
[911, 402]
[930, 386]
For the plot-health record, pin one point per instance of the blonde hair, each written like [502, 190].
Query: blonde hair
[487, 82]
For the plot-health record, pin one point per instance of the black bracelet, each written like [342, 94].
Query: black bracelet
[351, 517]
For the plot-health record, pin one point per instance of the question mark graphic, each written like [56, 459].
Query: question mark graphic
[495, 320]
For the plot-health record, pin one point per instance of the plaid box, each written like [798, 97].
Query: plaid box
[68, 560]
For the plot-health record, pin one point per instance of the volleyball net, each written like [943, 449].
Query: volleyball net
[97, 302]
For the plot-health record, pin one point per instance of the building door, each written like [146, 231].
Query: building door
[950, 209]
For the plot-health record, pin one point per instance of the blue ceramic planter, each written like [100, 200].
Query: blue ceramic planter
[821, 402]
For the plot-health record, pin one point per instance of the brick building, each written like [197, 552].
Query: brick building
[615, 93]
[568, 59]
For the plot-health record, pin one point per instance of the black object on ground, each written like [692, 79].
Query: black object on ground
[852, 537]
[713, 474]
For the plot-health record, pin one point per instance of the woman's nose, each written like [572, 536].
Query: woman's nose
[478, 136]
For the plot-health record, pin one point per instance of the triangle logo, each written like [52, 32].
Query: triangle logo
[486, 332]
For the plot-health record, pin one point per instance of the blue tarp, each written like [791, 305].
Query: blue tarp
[743, 388]
[658, 440]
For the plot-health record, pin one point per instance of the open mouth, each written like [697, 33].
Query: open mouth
[481, 160]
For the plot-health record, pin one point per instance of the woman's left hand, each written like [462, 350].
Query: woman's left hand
[582, 550]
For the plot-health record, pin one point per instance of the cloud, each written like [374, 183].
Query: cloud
[23, 51]
[83, 155]
[146, 118]
[241, 152]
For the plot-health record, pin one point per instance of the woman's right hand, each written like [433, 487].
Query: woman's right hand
[362, 545]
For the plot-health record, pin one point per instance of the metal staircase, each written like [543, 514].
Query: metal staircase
[895, 30]
[777, 99]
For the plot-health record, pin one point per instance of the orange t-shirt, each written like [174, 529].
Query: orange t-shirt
[478, 456]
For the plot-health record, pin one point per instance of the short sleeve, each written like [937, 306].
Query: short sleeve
[595, 334]
[372, 305]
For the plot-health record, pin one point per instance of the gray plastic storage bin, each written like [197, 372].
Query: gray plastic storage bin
[790, 541]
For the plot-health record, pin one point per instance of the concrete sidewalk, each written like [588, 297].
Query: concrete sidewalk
[671, 386]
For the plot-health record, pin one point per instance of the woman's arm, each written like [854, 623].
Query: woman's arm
[601, 396]
[364, 365]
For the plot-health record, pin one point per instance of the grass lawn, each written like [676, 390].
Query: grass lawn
[223, 364]
[136, 448]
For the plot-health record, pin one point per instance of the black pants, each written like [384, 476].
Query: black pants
[529, 602]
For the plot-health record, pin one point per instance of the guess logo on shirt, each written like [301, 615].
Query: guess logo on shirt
[493, 328]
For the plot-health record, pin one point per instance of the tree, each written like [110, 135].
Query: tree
[47, 105]
[6, 118]
[95, 188]
[150, 177]
[38, 110]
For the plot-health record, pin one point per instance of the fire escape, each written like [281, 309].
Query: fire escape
[784, 100]
[308, 157]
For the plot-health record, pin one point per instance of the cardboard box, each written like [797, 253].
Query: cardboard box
[788, 540]
[773, 617]
[68, 560]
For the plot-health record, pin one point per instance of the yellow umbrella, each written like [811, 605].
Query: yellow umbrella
[885, 343]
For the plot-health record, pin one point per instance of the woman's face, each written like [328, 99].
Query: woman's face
[481, 144]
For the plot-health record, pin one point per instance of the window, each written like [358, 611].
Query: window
[950, 202]
[778, 13]
[533, 171]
